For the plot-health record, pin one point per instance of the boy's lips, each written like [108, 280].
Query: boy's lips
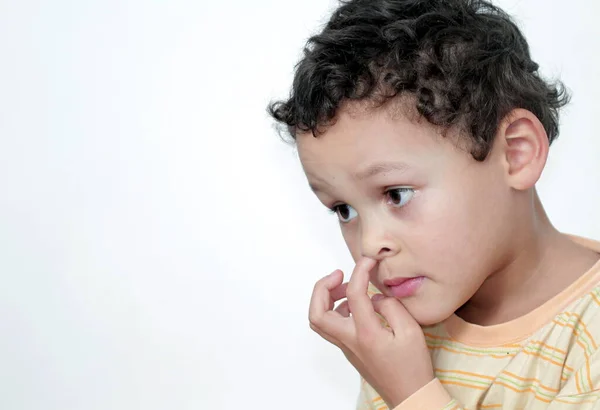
[403, 287]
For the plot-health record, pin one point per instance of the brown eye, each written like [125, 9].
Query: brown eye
[345, 212]
[400, 196]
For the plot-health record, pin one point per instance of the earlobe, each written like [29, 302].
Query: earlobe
[525, 145]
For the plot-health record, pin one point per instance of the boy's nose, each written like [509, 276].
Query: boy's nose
[376, 243]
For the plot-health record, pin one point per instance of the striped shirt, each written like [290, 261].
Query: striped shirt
[547, 359]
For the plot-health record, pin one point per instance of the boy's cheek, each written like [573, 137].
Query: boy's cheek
[352, 242]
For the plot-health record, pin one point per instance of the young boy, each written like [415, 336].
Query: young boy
[424, 125]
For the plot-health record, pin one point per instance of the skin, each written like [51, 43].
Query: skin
[475, 231]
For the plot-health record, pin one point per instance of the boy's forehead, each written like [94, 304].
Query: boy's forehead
[354, 125]
[359, 132]
[371, 139]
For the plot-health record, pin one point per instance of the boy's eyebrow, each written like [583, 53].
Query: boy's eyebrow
[379, 168]
[316, 187]
[368, 172]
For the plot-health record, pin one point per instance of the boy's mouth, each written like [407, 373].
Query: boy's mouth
[403, 287]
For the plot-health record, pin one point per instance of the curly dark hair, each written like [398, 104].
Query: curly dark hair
[465, 61]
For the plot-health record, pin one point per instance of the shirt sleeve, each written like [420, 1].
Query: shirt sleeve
[584, 401]
[432, 396]
[582, 390]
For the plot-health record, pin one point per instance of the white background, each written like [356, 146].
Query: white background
[158, 242]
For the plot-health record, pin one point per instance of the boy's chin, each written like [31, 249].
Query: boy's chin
[428, 314]
[425, 311]
[431, 321]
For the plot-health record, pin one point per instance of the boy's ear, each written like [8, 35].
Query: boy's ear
[524, 145]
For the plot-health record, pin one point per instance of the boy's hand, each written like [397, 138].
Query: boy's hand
[395, 361]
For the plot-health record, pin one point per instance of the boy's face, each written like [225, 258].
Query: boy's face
[411, 199]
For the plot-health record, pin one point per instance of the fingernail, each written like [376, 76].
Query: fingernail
[377, 297]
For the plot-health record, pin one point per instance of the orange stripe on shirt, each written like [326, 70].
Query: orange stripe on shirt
[584, 327]
[495, 356]
[539, 342]
[575, 403]
[587, 364]
[463, 384]
[595, 298]
[526, 390]
[376, 399]
[465, 373]
[449, 339]
[534, 354]
[539, 354]
[531, 379]
[589, 374]
[575, 331]
[577, 383]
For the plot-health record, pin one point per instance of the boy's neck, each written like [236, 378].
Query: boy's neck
[544, 262]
